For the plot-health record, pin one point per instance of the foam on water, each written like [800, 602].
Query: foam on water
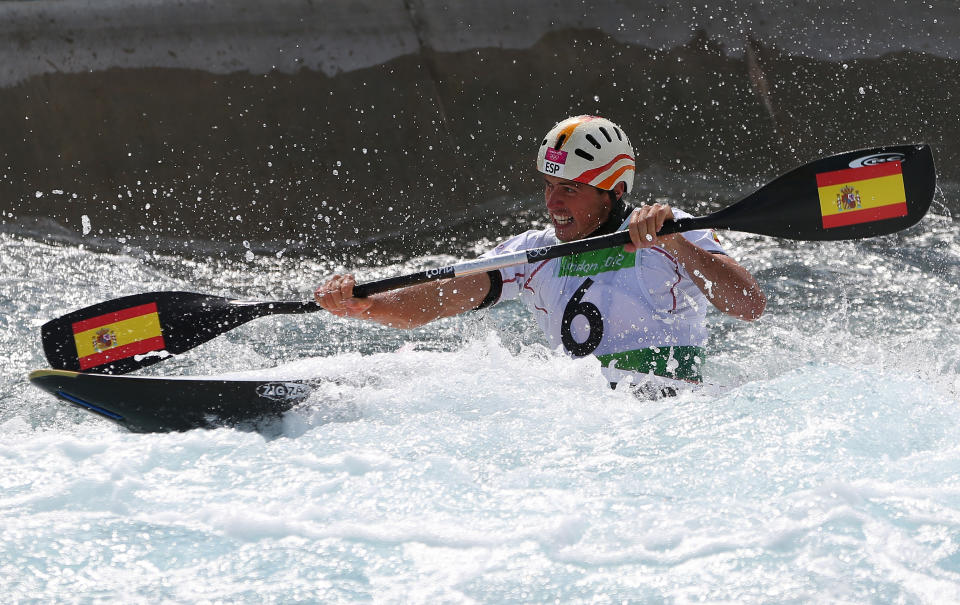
[523, 479]
[467, 462]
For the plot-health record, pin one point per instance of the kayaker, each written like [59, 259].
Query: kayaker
[641, 308]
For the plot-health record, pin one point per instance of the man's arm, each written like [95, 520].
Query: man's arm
[726, 284]
[408, 307]
[722, 280]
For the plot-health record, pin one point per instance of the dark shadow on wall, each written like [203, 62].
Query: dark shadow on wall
[433, 143]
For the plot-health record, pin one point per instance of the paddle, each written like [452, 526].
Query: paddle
[847, 196]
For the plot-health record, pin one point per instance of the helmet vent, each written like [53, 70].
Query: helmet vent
[619, 136]
[593, 141]
[560, 140]
[606, 134]
[543, 143]
[584, 154]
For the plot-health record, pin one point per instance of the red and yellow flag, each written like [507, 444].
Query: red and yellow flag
[118, 335]
[861, 195]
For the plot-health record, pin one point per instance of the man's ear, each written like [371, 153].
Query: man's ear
[620, 189]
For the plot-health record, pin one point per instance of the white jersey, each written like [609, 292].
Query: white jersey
[639, 313]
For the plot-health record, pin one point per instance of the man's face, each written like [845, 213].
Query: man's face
[576, 210]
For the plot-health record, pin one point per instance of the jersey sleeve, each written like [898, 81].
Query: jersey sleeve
[704, 238]
[513, 278]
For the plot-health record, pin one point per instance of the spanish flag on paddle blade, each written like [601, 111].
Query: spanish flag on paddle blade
[118, 335]
[861, 195]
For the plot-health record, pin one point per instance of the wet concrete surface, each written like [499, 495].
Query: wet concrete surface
[325, 126]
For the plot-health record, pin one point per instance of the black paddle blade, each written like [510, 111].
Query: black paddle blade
[125, 334]
[846, 196]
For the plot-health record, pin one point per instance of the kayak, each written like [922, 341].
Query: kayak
[147, 404]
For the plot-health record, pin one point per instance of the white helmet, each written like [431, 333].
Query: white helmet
[588, 149]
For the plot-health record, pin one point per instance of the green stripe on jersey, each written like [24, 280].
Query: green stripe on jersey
[681, 363]
[596, 261]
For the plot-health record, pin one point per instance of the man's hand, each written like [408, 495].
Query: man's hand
[336, 296]
[645, 222]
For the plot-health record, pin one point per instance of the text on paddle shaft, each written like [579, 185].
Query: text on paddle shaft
[439, 272]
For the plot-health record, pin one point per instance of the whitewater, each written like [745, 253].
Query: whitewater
[465, 462]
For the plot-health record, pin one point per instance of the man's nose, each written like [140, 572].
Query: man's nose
[553, 199]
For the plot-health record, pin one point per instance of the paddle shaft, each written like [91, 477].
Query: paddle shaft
[482, 265]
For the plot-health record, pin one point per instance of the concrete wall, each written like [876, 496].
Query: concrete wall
[310, 123]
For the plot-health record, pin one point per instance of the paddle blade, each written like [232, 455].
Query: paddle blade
[125, 334]
[846, 196]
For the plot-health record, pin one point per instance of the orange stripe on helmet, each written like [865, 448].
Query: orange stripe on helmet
[565, 135]
[611, 180]
[593, 173]
[567, 132]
